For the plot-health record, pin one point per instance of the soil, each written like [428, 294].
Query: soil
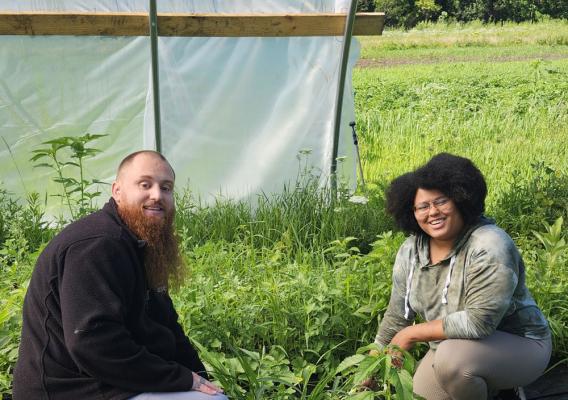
[385, 63]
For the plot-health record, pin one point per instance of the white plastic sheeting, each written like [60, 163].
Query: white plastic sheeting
[235, 112]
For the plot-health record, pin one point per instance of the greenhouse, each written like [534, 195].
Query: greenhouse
[242, 89]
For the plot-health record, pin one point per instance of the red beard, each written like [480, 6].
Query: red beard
[162, 260]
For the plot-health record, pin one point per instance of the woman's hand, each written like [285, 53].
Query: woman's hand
[424, 332]
[404, 338]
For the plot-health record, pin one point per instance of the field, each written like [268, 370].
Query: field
[279, 297]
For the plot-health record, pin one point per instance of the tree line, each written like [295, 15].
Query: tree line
[408, 13]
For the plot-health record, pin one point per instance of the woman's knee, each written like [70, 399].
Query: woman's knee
[456, 373]
[424, 381]
[447, 364]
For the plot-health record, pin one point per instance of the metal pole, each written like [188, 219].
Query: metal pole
[155, 74]
[340, 89]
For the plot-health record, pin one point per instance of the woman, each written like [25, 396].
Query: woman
[465, 278]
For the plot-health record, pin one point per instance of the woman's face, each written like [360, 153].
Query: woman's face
[437, 215]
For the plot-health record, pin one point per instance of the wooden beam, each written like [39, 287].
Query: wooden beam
[96, 24]
[369, 24]
[200, 25]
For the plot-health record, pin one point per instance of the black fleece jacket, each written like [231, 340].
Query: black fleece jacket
[91, 328]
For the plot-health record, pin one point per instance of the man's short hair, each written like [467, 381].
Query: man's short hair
[129, 158]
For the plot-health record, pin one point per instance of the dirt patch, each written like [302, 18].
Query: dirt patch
[395, 62]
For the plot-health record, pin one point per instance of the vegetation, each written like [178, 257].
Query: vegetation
[283, 299]
[407, 13]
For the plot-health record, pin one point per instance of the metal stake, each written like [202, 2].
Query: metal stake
[356, 143]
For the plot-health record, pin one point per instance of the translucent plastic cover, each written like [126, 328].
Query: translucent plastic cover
[236, 113]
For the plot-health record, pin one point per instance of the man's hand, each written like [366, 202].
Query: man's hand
[201, 384]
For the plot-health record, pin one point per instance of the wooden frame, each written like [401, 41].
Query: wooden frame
[196, 25]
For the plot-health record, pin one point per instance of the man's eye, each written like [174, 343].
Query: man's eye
[166, 188]
[144, 185]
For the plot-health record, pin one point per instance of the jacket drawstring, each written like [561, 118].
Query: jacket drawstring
[407, 294]
[448, 280]
[444, 291]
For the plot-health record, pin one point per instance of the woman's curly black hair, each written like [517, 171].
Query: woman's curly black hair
[456, 177]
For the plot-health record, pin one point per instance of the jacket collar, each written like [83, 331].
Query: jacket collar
[422, 242]
[111, 208]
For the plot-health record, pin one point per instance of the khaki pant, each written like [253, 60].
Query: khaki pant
[191, 395]
[476, 369]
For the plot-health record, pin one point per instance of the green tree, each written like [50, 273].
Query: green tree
[407, 13]
[428, 10]
[554, 8]
[399, 12]
[366, 5]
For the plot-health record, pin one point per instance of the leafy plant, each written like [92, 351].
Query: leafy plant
[16, 260]
[389, 371]
[70, 151]
[10, 327]
[548, 274]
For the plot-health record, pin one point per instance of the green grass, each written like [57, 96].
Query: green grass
[504, 116]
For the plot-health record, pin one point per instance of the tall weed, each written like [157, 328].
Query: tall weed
[303, 217]
[531, 201]
[547, 275]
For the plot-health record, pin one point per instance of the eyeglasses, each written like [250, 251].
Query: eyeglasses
[441, 204]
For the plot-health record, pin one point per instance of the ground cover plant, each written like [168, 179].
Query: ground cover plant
[283, 298]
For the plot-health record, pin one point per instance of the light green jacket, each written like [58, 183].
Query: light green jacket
[483, 291]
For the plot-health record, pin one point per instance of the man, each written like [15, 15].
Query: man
[98, 322]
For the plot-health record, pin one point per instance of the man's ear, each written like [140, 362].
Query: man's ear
[115, 190]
